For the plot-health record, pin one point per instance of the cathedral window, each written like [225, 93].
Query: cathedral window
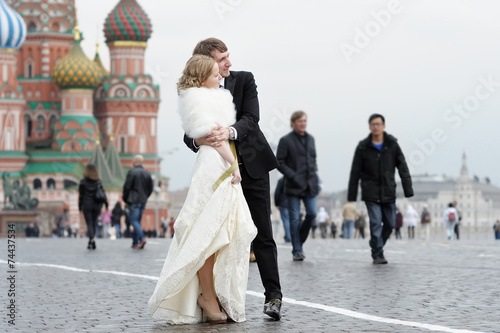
[52, 122]
[122, 145]
[32, 26]
[29, 70]
[40, 123]
[28, 125]
[131, 125]
[51, 184]
[37, 184]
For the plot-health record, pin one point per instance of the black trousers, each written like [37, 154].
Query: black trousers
[91, 215]
[257, 195]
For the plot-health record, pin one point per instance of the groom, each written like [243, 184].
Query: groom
[255, 159]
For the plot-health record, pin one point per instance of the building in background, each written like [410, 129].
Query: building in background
[59, 110]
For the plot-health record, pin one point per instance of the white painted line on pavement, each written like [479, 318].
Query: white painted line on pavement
[344, 312]
[74, 269]
[363, 316]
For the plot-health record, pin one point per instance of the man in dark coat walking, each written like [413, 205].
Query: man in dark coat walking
[375, 162]
[297, 157]
[136, 191]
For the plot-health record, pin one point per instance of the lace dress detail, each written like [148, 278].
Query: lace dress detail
[210, 222]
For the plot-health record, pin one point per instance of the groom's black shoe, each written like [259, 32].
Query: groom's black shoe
[273, 308]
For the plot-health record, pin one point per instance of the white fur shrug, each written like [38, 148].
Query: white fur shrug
[201, 109]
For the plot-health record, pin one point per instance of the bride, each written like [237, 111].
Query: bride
[207, 262]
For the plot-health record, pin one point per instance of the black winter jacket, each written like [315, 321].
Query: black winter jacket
[86, 198]
[298, 165]
[138, 186]
[376, 170]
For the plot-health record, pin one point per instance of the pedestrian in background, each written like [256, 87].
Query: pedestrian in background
[116, 217]
[375, 161]
[87, 203]
[456, 228]
[450, 219]
[349, 214]
[171, 226]
[281, 202]
[297, 158]
[361, 224]
[136, 191]
[61, 220]
[106, 221]
[322, 220]
[425, 220]
[399, 224]
[411, 217]
[333, 228]
[496, 229]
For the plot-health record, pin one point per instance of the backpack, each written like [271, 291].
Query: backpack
[451, 217]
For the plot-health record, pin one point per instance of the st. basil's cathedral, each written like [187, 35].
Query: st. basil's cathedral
[60, 110]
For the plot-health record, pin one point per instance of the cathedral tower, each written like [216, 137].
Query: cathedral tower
[77, 76]
[49, 39]
[12, 143]
[126, 103]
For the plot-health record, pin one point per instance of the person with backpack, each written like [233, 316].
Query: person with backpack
[450, 219]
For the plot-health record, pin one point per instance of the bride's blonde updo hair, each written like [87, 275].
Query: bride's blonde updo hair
[198, 69]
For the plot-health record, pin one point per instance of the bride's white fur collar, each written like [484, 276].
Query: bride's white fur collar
[201, 109]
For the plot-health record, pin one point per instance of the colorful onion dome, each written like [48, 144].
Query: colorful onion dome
[12, 28]
[76, 70]
[127, 22]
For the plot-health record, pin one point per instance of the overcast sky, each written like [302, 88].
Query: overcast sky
[431, 67]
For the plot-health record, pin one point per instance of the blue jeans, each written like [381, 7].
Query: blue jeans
[299, 231]
[348, 229]
[117, 227]
[135, 213]
[285, 217]
[382, 222]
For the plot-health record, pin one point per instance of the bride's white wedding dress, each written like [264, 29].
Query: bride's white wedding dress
[210, 222]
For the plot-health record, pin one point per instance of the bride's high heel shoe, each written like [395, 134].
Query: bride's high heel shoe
[213, 318]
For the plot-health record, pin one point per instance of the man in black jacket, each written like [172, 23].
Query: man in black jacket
[136, 191]
[297, 157]
[375, 162]
[255, 159]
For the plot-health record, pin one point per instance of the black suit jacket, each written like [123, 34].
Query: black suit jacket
[252, 147]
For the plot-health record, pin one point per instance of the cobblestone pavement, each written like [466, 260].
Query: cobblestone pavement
[444, 286]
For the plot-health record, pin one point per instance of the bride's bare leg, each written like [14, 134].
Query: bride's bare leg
[206, 275]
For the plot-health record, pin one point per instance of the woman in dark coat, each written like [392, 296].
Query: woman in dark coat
[87, 203]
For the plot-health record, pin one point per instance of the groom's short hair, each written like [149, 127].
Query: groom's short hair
[206, 46]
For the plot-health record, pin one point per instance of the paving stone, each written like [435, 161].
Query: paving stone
[450, 284]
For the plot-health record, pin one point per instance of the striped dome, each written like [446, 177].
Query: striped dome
[76, 70]
[127, 22]
[12, 28]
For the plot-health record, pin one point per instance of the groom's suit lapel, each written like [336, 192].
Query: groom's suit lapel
[229, 83]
